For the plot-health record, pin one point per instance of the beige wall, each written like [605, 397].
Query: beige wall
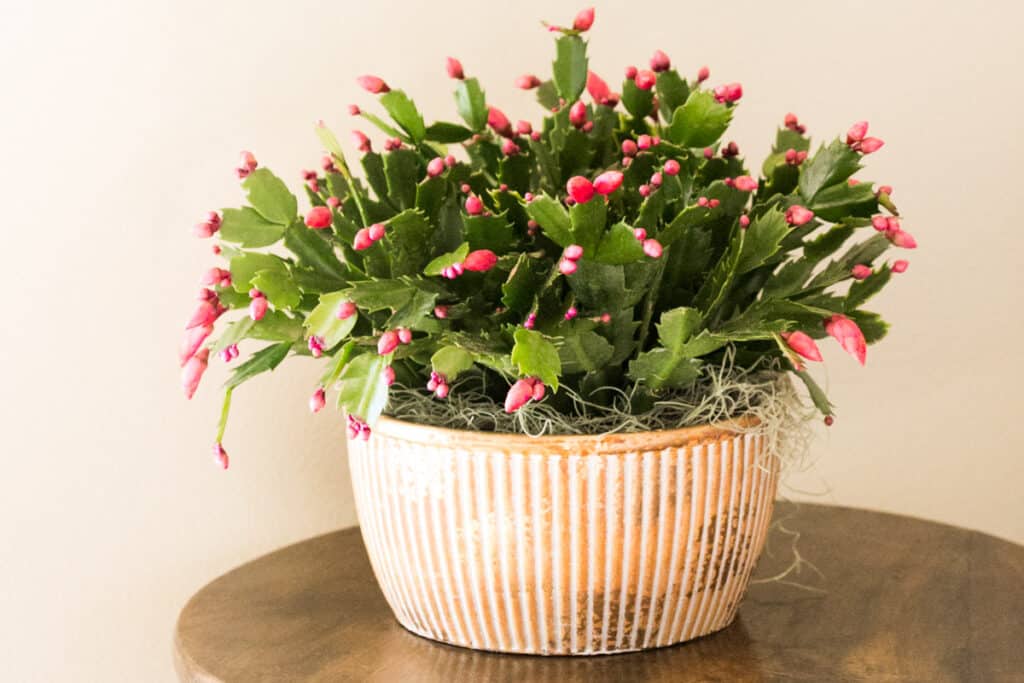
[121, 122]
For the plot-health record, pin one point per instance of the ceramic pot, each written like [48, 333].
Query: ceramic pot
[562, 545]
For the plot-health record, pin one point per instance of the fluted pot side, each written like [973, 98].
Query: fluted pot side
[571, 545]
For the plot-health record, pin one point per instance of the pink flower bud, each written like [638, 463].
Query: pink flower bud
[580, 189]
[567, 266]
[857, 132]
[246, 164]
[372, 84]
[527, 82]
[333, 202]
[702, 201]
[644, 142]
[797, 215]
[318, 218]
[829, 420]
[480, 260]
[728, 93]
[640, 234]
[631, 72]
[802, 344]
[474, 207]
[652, 248]
[573, 252]
[880, 223]
[849, 336]
[703, 74]
[346, 310]
[660, 61]
[900, 266]
[790, 120]
[606, 318]
[672, 167]
[744, 222]
[709, 153]
[629, 148]
[455, 69]
[901, 238]
[354, 110]
[435, 167]
[215, 276]
[644, 190]
[571, 313]
[220, 456]
[608, 182]
[509, 148]
[193, 372]
[258, 308]
[362, 240]
[860, 271]
[578, 113]
[885, 189]
[387, 343]
[361, 142]
[519, 395]
[714, 203]
[205, 314]
[497, 120]
[317, 401]
[376, 231]
[656, 179]
[584, 19]
[870, 145]
[598, 88]
[644, 79]
[440, 312]
[194, 338]
[389, 375]
[523, 128]
[404, 335]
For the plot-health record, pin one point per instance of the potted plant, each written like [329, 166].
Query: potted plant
[564, 348]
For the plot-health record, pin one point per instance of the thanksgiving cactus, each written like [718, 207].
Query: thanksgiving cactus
[619, 242]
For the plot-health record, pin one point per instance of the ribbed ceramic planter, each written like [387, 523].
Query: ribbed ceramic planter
[562, 545]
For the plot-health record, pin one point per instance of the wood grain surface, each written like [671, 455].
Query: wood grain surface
[899, 599]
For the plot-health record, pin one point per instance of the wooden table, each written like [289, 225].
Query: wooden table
[903, 600]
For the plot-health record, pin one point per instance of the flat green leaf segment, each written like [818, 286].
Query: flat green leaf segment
[471, 103]
[270, 197]
[323, 320]
[670, 365]
[444, 261]
[451, 361]
[536, 356]
[363, 388]
[261, 361]
[248, 228]
[700, 122]
[404, 113]
[570, 67]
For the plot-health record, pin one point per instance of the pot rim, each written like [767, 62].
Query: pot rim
[561, 444]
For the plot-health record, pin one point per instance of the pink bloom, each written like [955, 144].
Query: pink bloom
[652, 248]
[870, 145]
[900, 266]
[246, 164]
[567, 266]
[802, 344]
[527, 82]
[703, 74]
[672, 167]
[849, 336]
[193, 372]
[608, 182]
[361, 142]
[474, 207]
[258, 307]
[730, 92]
[497, 120]
[387, 343]
[578, 114]
[372, 84]
[644, 79]
[584, 19]
[480, 260]
[860, 271]
[455, 69]
[193, 339]
[629, 148]
[580, 189]
[797, 215]
[856, 133]
[205, 314]
[435, 167]
[319, 217]
[362, 240]
[346, 310]
[317, 401]
[519, 394]
[901, 238]
[660, 61]
[573, 252]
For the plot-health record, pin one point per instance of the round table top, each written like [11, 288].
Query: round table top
[898, 599]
